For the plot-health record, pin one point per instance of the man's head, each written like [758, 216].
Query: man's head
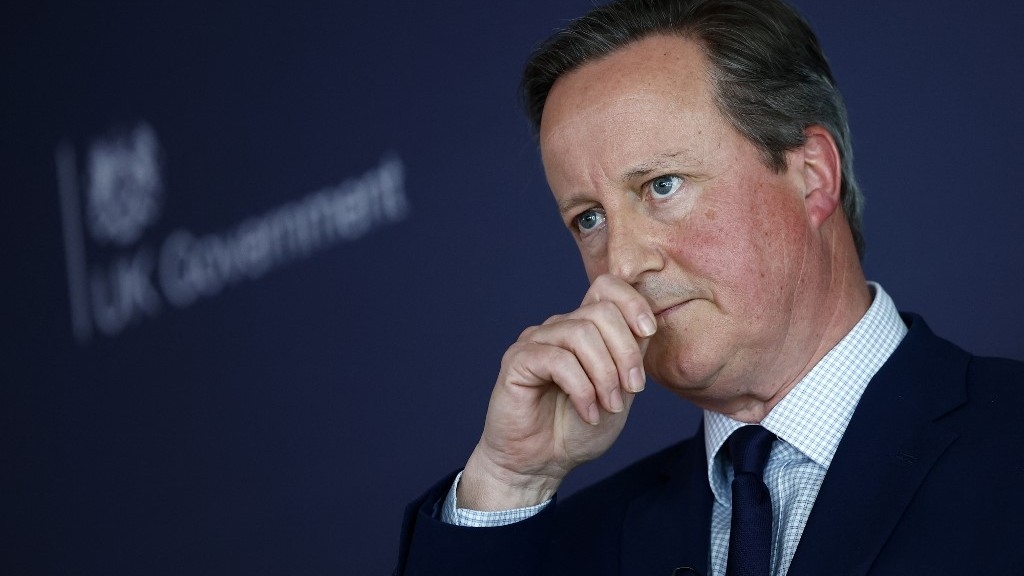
[744, 257]
[769, 75]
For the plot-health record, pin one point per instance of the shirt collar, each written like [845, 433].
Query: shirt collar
[813, 416]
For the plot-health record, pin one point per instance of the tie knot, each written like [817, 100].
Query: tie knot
[749, 448]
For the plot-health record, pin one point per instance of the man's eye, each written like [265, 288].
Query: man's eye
[664, 186]
[589, 220]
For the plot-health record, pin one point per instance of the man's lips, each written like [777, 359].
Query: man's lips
[669, 308]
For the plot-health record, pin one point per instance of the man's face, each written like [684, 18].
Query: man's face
[659, 189]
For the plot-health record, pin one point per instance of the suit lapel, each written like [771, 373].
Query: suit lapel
[669, 527]
[889, 448]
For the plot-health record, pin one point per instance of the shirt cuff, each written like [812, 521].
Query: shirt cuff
[452, 514]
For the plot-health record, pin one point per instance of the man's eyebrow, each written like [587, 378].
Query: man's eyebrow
[659, 162]
[569, 204]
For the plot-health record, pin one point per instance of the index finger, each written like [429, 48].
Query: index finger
[634, 307]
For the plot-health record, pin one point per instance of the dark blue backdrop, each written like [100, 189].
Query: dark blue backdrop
[277, 422]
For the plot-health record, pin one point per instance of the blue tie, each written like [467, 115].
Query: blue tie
[750, 537]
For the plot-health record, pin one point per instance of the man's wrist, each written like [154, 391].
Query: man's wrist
[453, 513]
[487, 488]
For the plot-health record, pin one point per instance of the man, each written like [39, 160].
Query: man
[699, 154]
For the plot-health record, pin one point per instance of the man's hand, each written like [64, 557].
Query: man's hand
[561, 399]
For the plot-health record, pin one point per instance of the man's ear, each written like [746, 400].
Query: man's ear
[821, 168]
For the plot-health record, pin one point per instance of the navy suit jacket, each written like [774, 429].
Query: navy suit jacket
[928, 479]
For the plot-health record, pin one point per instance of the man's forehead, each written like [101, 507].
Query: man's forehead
[633, 80]
[572, 119]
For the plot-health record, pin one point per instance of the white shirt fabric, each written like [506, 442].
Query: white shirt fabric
[809, 423]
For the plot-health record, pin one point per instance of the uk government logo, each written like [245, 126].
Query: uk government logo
[121, 273]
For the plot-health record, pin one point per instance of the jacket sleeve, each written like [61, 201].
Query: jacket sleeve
[429, 547]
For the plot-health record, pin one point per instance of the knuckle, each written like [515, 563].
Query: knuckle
[554, 319]
[609, 377]
[586, 326]
[560, 357]
[528, 334]
[513, 352]
[606, 308]
[603, 281]
[578, 327]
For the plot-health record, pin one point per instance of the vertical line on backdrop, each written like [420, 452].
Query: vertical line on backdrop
[74, 243]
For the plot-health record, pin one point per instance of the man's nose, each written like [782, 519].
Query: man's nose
[632, 250]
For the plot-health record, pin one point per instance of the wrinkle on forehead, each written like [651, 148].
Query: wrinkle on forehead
[631, 81]
[631, 135]
[637, 68]
[572, 119]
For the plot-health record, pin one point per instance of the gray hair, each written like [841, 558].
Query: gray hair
[770, 77]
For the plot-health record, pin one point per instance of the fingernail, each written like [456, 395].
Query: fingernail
[636, 380]
[646, 325]
[593, 415]
[616, 401]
